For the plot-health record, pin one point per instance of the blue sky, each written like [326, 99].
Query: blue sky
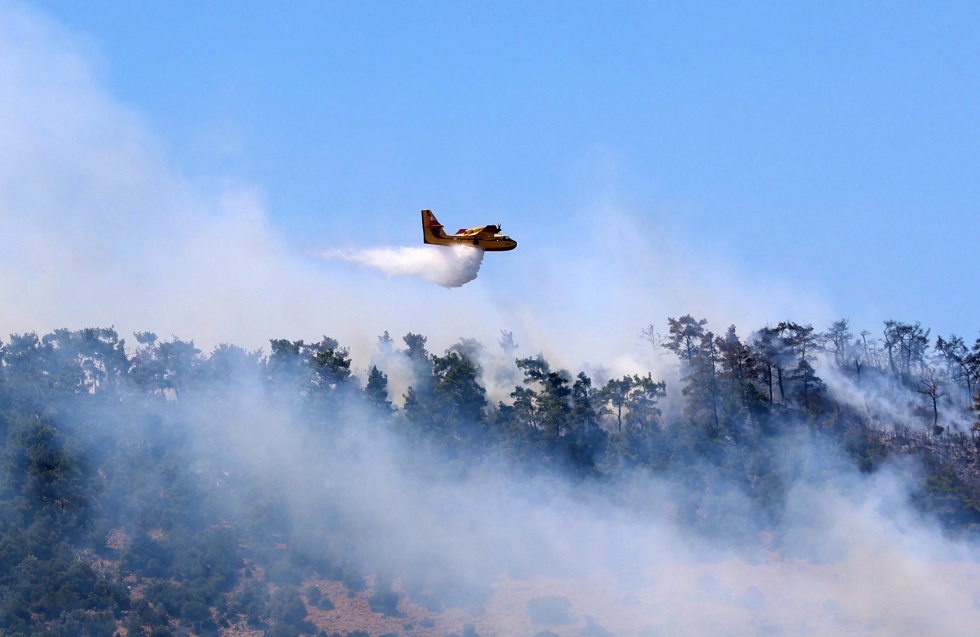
[745, 161]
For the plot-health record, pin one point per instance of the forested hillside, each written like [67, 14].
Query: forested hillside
[150, 488]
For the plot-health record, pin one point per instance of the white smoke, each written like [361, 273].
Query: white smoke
[449, 267]
[97, 230]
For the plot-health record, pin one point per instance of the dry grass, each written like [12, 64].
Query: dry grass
[730, 598]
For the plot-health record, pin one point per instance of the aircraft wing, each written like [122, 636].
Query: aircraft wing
[482, 231]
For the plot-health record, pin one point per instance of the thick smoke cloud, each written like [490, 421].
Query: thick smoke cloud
[99, 230]
[521, 554]
[450, 267]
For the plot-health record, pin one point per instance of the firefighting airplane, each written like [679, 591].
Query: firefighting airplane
[485, 237]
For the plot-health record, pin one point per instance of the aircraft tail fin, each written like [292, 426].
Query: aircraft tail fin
[431, 228]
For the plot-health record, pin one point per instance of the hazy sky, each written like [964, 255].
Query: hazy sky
[745, 161]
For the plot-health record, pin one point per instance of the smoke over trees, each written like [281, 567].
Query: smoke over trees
[125, 501]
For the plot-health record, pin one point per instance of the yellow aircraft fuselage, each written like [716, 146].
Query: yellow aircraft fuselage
[485, 237]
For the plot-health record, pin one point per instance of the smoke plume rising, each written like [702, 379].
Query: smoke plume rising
[98, 230]
[535, 554]
[449, 267]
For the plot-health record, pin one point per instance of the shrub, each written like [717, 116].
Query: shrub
[385, 602]
[550, 610]
[287, 606]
